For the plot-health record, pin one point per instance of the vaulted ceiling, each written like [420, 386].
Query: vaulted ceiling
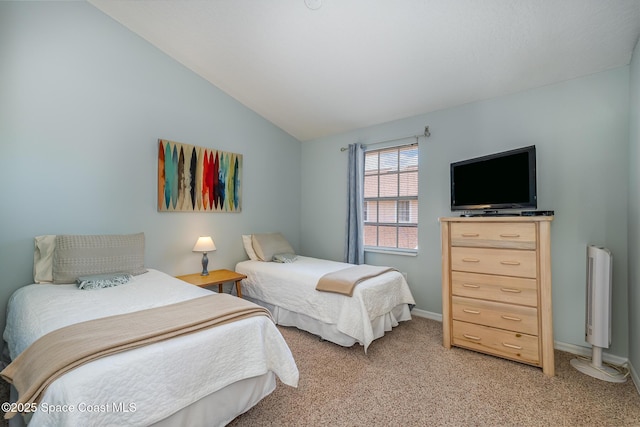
[321, 67]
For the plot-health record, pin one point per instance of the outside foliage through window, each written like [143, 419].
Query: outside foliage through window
[391, 198]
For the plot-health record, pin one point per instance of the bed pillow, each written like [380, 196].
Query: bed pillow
[269, 244]
[284, 258]
[43, 258]
[248, 247]
[100, 281]
[86, 255]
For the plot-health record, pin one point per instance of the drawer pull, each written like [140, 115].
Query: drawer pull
[511, 236]
[517, 347]
[470, 285]
[470, 260]
[513, 291]
[470, 234]
[466, 310]
[471, 337]
[517, 319]
[510, 262]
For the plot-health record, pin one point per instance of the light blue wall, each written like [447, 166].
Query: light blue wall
[581, 131]
[82, 104]
[83, 101]
[634, 214]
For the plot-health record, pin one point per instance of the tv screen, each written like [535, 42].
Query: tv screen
[504, 180]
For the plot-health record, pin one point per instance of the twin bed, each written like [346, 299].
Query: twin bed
[287, 287]
[203, 378]
[207, 376]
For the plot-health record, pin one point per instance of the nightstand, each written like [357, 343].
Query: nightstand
[216, 277]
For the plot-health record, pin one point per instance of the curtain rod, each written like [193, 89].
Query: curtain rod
[426, 134]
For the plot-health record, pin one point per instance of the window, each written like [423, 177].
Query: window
[391, 198]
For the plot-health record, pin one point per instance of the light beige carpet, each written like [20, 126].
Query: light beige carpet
[409, 379]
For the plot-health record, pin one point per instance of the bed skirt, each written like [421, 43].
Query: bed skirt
[217, 409]
[330, 332]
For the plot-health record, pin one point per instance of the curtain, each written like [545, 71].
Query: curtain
[354, 241]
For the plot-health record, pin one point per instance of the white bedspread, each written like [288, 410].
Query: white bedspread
[147, 384]
[292, 286]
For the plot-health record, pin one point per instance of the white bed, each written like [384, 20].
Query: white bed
[288, 291]
[205, 378]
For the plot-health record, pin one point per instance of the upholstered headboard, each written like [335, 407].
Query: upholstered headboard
[64, 258]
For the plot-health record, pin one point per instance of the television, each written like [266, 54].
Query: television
[495, 182]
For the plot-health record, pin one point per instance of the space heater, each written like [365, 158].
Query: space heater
[598, 315]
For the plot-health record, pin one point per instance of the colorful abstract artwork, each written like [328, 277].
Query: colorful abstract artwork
[197, 179]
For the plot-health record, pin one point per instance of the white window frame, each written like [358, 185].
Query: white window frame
[397, 218]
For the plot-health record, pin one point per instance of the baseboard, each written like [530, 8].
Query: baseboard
[569, 348]
[586, 351]
[427, 314]
[634, 377]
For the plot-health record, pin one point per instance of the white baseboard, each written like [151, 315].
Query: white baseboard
[634, 377]
[569, 348]
[427, 314]
[586, 351]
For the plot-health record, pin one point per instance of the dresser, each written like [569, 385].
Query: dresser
[496, 287]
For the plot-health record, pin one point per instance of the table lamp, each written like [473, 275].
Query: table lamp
[204, 244]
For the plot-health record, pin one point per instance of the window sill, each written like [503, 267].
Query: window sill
[392, 251]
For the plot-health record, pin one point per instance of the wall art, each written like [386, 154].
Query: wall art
[198, 179]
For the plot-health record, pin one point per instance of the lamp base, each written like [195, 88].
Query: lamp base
[205, 262]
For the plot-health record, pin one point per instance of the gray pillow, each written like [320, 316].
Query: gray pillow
[269, 244]
[100, 281]
[86, 255]
[285, 258]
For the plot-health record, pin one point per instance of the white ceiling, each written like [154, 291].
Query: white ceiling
[356, 63]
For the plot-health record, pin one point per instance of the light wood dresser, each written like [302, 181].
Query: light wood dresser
[496, 287]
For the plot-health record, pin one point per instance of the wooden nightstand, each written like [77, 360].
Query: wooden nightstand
[216, 277]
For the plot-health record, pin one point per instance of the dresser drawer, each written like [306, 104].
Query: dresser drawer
[505, 262]
[514, 290]
[511, 345]
[494, 235]
[511, 317]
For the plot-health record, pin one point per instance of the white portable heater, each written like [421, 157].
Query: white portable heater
[598, 315]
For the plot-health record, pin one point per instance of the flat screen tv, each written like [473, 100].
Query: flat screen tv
[505, 180]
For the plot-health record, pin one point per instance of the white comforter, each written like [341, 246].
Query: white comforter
[292, 286]
[144, 385]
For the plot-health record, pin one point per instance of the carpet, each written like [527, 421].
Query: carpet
[408, 378]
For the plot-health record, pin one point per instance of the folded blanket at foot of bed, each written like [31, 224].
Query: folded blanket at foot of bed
[66, 348]
[344, 281]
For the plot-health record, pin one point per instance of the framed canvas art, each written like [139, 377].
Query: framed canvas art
[198, 179]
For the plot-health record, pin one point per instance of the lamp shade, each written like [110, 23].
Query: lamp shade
[204, 244]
